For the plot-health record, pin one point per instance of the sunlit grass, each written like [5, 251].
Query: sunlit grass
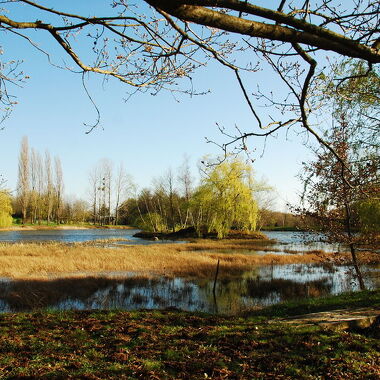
[197, 259]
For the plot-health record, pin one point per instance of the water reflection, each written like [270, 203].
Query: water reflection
[264, 285]
[302, 241]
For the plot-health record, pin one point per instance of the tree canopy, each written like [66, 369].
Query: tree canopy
[158, 44]
[225, 199]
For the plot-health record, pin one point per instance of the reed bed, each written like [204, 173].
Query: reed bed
[39, 261]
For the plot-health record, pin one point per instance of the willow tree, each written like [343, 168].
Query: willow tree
[5, 209]
[225, 199]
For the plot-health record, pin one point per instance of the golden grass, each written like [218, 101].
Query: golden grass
[33, 260]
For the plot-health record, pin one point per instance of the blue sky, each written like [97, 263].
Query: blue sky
[148, 133]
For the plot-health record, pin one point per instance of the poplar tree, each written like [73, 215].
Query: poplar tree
[23, 189]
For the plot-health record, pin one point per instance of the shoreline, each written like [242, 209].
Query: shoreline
[63, 227]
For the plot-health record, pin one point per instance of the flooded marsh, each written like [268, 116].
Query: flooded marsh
[111, 273]
[260, 286]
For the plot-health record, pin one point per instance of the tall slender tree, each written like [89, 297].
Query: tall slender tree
[58, 189]
[123, 184]
[23, 189]
[49, 187]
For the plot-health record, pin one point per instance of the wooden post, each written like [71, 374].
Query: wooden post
[216, 277]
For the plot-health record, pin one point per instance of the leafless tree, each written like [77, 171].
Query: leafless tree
[186, 184]
[169, 188]
[155, 44]
[49, 187]
[2, 181]
[58, 189]
[123, 184]
[40, 186]
[94, 182]
[23, 178]
[105, 180]
[33, 185]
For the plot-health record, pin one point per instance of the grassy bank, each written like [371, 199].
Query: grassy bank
[178, 345]
[197, 259]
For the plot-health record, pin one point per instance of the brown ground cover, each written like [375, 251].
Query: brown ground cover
[195, 259]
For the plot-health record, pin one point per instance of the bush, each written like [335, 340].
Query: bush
[5, 209]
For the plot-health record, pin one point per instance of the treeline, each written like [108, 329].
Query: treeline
[40, 192]
[226, 197]
[276, 220]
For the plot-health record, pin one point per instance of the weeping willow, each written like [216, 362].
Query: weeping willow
[225, 199]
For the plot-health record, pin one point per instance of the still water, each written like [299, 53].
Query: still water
[73, 236]
[262, 286]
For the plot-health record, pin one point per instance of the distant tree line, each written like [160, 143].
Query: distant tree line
[227, 196]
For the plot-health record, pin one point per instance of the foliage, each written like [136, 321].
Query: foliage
[342, 185]
[339, 194]
[336, 184]
[5, 209]
[225, 200]
[152, 222]
[356, 95]
[369, 215]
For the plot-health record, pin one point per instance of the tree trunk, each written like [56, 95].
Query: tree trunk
[356, 266]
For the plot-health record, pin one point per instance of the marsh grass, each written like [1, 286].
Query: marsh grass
[197, 259]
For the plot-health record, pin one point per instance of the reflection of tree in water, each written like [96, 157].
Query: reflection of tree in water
[33, 294]
[99, 293]
[262, 286]
[286, 289]
[234, 295]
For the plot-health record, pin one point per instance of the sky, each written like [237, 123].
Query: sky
[148, 134]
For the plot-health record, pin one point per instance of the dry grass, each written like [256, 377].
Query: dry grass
[32, 260]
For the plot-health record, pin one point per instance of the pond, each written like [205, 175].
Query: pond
[262, 286]
[287, 241]
[301, 241]
[73, 236]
